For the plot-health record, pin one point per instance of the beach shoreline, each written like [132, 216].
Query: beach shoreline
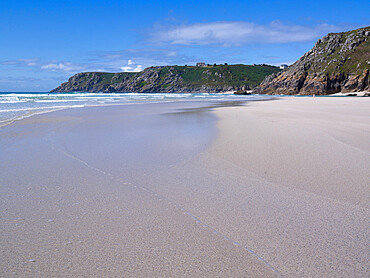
[264, 189]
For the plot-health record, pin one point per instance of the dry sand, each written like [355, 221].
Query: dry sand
[114, 192]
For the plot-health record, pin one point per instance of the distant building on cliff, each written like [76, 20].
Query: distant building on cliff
[283, 66]
[200, 64]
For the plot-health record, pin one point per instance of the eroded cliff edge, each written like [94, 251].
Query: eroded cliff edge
[339, 62]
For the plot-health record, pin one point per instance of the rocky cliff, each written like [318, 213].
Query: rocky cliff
[339, 62]
[169, 79]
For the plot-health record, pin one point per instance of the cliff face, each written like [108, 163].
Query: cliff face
[339, 62]
[169, 79]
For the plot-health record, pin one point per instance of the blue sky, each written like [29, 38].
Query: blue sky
[43, 43]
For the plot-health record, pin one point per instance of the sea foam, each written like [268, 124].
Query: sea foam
[15, 106]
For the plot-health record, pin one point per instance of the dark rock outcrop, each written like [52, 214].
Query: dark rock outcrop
[339, 62]
[242, 92]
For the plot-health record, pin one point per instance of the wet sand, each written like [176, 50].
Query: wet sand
[270, 189]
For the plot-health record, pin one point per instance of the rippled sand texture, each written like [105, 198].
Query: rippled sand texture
[145, 191]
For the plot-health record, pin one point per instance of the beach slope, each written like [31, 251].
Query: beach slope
[275, 188]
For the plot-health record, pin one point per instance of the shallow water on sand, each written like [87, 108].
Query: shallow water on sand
[78, 198]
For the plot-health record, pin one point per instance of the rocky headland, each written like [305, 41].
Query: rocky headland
[339, 62]
[171, 79]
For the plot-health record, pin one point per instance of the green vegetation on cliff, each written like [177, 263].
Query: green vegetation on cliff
[339, 62]
[168, 79]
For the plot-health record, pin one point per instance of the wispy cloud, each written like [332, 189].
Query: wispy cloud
[62, 66]
[231, 33]
[183, 44]
[21, 62]
[69, 67]
[143, 56]
[36, 64]
[134, 60]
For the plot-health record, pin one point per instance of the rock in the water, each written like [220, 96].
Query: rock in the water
[242, 92]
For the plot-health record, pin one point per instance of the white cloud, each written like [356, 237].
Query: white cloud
[63, 66]
[69, 67]
[131, 67]
[240, 32]
[126, 68]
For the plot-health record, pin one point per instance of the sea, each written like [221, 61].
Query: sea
[15, 106]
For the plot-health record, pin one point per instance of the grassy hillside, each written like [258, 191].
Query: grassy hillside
[214, 78]
[232, 75]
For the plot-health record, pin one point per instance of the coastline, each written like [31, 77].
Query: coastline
[16, 106]
[163, 192]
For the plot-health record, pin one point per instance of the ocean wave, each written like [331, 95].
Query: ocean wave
[13, 105]
[40, 108]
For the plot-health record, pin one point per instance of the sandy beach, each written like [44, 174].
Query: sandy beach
[276, 188]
